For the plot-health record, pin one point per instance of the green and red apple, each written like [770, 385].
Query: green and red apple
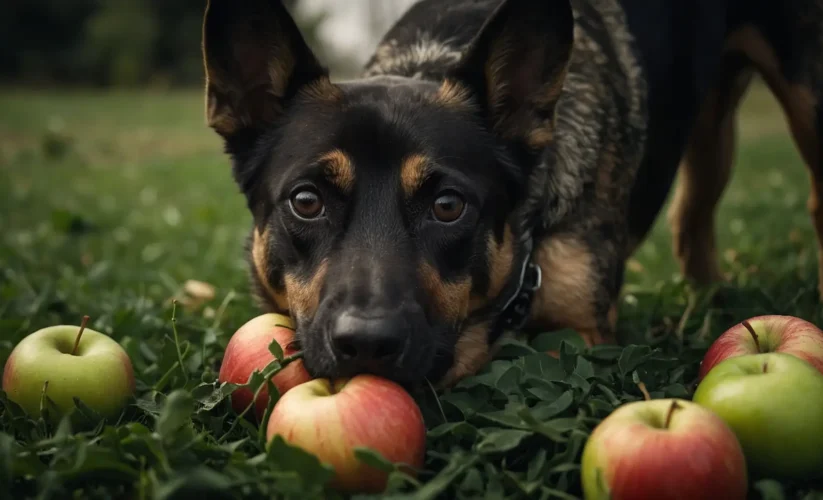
[763, 334]
[248, 351]
[331, 419]
[664, 449]
[67, 362]
[774, 404]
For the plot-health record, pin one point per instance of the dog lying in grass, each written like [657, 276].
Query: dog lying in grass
[495, 165]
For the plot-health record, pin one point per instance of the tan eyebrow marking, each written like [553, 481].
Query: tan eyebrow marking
[340, 169]
[413, 172]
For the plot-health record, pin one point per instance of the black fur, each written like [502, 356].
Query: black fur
[600, 158]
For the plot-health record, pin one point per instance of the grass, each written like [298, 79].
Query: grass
[111, 202]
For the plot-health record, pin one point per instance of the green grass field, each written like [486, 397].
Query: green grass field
[110, 202]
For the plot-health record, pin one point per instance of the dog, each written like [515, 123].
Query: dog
[495, 165]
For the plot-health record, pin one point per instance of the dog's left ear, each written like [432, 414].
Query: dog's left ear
[516, 66]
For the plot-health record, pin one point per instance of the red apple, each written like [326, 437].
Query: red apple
[248, 351]
[764, 334]
[330, 420]
[663, 449]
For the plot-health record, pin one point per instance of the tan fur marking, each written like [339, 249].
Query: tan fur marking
[567, 297]
[322, 89]
[281, 62]
[500, 257]
[540, 138]
[259, 252]
[339, 169]
[413, 173]
[551, 91]
[452, 94]
[450, 300]
[471, 353]
[305, 296]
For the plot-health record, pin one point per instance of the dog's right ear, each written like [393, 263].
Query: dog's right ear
[516, 67]
[256, 60]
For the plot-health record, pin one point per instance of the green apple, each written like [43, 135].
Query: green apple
[774, 404]
[69, 362]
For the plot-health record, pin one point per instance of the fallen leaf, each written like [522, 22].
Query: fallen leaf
[635, 266]
[199, 290]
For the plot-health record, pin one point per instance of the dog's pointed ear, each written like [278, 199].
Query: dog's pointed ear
[256, 60]
[516, 65]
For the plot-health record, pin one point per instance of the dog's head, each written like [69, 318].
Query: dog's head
[382, 206]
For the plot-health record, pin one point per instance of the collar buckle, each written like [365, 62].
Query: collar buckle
[515, 315]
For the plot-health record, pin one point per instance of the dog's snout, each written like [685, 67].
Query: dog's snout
[369, 338]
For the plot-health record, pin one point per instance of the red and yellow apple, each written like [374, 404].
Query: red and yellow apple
[331, 419]
[663, 449]
[764, 334]
[69, 362]
[248, 351]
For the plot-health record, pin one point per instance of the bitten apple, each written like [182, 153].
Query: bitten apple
[69, 362]
[763, 334]
[774, 403]
[330, 420]
[248, 351]
[663, 449]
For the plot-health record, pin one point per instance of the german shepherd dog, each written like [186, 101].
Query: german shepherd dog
[494, 166]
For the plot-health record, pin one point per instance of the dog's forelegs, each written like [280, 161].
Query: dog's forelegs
[575, 292]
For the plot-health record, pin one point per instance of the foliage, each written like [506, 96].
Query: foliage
[109, 203]
[114, 42]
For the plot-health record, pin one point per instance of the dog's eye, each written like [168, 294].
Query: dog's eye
[307, 204]
[448, 206]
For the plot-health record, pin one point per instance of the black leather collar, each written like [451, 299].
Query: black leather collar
[510, 311]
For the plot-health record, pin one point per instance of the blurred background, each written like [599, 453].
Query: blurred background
[156, 43]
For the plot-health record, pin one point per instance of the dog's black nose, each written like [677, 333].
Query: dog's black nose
[359, 338]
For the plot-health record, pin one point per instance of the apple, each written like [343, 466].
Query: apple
[663, 449]
[774, 403]
[248, 351]
[331, 419]
[67, 362]
[762, 334]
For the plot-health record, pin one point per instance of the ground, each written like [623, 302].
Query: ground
[111, 201]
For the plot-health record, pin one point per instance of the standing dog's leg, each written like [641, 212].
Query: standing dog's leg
[796, 80]
[704, 173]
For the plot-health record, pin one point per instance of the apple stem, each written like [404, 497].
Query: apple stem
[645, 391]
[669, 415]
[79, 334]
[754, 335]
